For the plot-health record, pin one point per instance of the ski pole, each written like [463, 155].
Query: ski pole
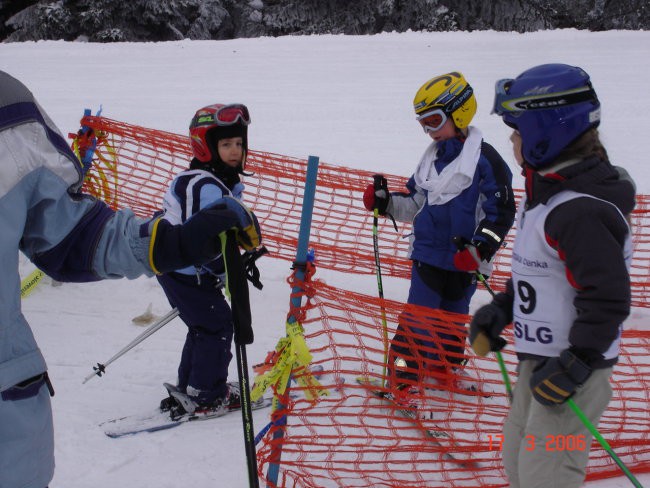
[583, 418]
[380, 288]
[590, 426]
[101, 367]
[237, 289]
[460, 244]
[247, 415]
[260, 435]
[499, 356]
[265, 430]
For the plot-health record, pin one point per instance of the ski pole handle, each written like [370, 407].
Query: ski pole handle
[499, 356]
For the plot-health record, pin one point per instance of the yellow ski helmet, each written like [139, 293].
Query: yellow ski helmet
[450, 93]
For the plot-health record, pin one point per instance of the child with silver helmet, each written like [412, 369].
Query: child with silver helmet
[461, 204]
[566, 306]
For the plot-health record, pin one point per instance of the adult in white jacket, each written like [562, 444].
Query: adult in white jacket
[71, 237]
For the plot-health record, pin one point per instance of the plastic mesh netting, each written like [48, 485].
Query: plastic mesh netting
[351, 438]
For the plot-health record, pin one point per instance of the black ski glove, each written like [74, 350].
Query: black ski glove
[489, 321]
[555, 380]
[197, 241]
[376, 195]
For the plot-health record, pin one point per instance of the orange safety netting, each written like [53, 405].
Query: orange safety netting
[351, 438]
[137, 164]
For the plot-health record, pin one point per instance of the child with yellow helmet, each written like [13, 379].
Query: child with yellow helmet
[461, 205]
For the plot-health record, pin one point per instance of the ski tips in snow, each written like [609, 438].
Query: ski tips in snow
[156, 420]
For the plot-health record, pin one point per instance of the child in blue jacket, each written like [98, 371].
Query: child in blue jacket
[219, 140]
[461, 204]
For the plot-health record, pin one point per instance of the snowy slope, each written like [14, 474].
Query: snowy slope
[344, 99]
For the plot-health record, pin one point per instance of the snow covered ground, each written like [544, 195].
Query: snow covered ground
[345, 99]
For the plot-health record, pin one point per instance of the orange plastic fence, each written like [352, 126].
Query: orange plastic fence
[351, 438]
[136, 165]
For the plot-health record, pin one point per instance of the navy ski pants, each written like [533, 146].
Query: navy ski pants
[440, 289]
[203, 370]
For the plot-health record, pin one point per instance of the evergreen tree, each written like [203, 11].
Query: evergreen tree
[165, 20]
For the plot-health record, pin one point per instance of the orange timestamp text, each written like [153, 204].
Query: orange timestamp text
[550, 442]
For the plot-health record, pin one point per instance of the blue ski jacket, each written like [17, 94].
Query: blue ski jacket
[189, 192]
[484, 211]
[68, 235]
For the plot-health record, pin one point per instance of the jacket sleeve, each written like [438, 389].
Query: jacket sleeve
[403, 206]
[589, 235]
[101, 244]
[498, 203]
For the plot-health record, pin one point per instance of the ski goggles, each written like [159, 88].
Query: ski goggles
[505, 103]
[433, 120]
[226, 115]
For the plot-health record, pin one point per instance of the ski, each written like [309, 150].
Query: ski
[156, 420]
[437, 435]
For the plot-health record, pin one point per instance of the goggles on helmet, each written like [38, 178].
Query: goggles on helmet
[225, 116]
[504, 103]
[433, 120]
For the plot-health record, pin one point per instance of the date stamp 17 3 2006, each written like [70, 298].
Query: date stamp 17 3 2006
[549, 443]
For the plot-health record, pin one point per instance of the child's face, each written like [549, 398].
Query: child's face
[231, 150]
[447, 131]
[515, 138]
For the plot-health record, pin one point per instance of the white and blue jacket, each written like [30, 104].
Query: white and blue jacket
[189, 192]
[71, 237]
[484, 211]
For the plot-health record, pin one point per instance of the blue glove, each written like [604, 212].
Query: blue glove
[555, 380]
[249, 234]
[197, 241]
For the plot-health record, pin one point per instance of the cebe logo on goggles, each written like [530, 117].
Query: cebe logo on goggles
[226, 115]
[433, 120]
[505, 103]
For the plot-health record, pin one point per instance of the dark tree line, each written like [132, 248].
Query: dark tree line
[165, 20]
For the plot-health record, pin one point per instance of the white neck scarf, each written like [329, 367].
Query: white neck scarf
[455, 176]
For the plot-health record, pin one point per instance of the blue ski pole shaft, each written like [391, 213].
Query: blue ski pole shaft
[260, 435]
[264, 430]
[296, 301]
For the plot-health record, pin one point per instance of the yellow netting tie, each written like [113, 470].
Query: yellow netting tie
[293, 358]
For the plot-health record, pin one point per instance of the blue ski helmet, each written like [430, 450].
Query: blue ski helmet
[551, 106]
